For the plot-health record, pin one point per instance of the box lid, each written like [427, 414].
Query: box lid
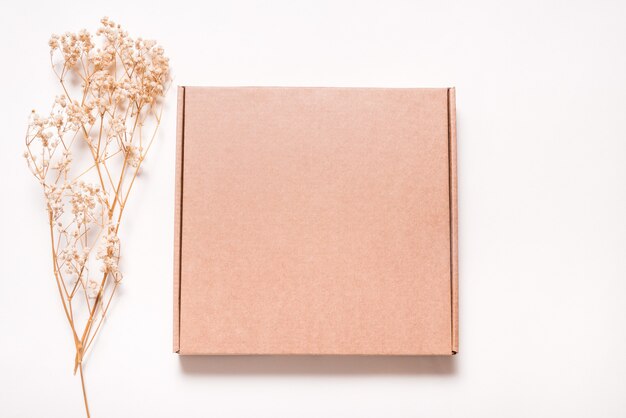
[316, 221]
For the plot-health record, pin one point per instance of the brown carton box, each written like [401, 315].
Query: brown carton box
[316, 221]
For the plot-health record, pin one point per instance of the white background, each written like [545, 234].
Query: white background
[541, 99]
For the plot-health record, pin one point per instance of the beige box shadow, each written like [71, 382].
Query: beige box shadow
[319, 365]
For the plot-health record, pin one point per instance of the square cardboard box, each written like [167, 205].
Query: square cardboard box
[316, 221]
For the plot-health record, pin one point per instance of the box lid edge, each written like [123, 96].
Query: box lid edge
[180, 121]
[454, 269]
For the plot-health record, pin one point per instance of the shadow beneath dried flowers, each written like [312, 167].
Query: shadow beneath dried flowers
[319, 365]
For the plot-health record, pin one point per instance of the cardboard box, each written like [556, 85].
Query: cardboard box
[316, 221]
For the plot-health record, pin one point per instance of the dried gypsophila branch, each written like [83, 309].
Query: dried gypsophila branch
[110, 123]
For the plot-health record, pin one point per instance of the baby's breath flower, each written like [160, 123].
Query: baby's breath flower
[83, 152]
[133, 154]
[109, 253]
[93, 288]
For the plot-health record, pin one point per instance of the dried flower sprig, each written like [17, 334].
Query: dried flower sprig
[86, 154]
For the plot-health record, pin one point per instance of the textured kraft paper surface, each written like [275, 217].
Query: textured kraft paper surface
[316, 221]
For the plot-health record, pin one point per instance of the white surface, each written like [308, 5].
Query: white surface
[541, 99]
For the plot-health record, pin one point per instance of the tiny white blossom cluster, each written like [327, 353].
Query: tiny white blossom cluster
[86, 153]
[109, 253]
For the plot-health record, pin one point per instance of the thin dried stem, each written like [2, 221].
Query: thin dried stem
[82, 384]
